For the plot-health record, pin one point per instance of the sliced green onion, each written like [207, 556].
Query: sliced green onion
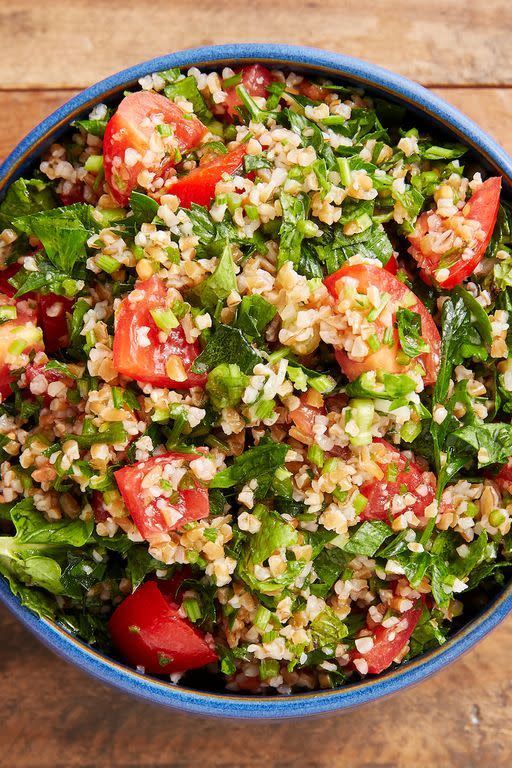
[229, 82]
[329, 465]
[359, 503]
[388, 337]
[262, 617]
[472, 509]
[340, 495]
[345, 172]
[180, 308]
[269, 668]
[410, 431]
[94, 163]
[392, 473]
[210, 534]
[374, 342]
[316, 455]
[322, 384]
[164, 129]
[17, 347]
[307, 228]
[251, 211]
[107, 263]
[362, 412]
[192, 608]
[7, 312]
[165, 319]
[278, 355]
[375, 312]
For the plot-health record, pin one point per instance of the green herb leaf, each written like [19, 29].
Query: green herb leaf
[254, 314]
[226, 345]
[188, 90]
[62, 231]
[368, 538]
[23, 198]
[256, 462]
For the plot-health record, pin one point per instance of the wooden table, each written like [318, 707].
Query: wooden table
[53, 716]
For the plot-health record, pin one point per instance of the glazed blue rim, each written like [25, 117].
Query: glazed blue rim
[391, 86]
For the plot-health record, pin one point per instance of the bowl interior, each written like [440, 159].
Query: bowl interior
[424, 110]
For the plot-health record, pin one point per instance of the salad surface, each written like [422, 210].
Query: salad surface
[255, 382]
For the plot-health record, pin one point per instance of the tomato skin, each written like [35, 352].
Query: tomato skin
[147, 363]
[380, 493]
[483, 207]
[391, 265]
[385, 358]
[126, 129]
[256, 79]
[52, 312]
[387, 642]
[305, 414]
[149, 632]
[198, 186]
[193, 503]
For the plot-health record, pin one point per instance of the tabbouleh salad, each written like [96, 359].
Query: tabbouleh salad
[256, 382]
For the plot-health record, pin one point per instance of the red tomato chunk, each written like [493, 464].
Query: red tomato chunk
[198, 186]
[131, 142]
[405, 487]
[149, 632]
[389, 642]
[366, 277]
[155, 504]
[255, 79]
[139, 352]
[434, 240]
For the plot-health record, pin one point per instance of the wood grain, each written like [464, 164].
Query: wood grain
[53, 716]
[22, 110]
[58, 43]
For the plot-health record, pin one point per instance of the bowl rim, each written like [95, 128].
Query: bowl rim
[393, 86]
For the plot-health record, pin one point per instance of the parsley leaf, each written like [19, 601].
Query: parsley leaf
[226, 345]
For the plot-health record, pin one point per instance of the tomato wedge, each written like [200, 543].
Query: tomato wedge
[149, 632]
[388, 642]
[366, 276]
[256, 79]
[405, 487]
[198, 186]
[154, 513]
[132, 127]
[138, 351]
[483, 208]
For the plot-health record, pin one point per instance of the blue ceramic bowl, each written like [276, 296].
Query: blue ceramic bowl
[442, 118]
